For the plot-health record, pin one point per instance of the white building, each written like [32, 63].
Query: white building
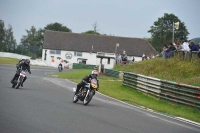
[91, 49]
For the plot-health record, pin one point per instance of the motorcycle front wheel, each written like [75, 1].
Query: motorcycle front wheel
[75, 99]
[13, 86]
[88, 98]
[20, 81]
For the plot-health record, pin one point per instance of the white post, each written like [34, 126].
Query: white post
[173, 33]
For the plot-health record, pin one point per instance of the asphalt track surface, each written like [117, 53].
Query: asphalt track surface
[44, 105]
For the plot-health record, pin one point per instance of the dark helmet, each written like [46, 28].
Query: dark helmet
[27, 61]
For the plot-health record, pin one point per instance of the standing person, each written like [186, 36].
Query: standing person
[166, 51]
[22, 66]
[185, 46]
[193, 46]
[133, 59]
[172, 48]
[143, 56]
[179, 46]
[119, 58]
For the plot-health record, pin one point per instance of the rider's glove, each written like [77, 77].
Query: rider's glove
[84, 81]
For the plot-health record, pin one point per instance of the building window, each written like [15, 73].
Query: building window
[55, 52]
[77, 53]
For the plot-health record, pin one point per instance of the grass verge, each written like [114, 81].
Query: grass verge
[113, 87]
[5, 60]
[177, 70]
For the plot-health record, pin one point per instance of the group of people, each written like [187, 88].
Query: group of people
[187, 46]
[147, 57]
[123, 58]
[23, 64]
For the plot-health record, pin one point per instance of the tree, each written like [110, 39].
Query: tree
[32, 42]
[91, 32]
[162, 31]
[95, 25]
[2, 34]
[57, 27]
[9, 40]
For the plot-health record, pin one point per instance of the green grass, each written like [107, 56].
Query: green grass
[4, 60]
[180, 71]
[113, 87]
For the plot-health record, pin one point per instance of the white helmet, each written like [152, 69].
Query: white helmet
[23, 58]
[95, 73]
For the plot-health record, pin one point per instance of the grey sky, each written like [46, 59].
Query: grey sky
[126, 18]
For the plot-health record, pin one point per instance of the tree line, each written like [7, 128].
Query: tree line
[31, 44]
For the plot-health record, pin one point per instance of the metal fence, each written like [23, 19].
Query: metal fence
[166, 90]
[185, 55]
[83, 66]
[112, 73]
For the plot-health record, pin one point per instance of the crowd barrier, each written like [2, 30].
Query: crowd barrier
[166, 90]
[185, 55]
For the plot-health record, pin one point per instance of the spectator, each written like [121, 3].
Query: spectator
[174, 44]
[124, 58]
[152, 56]
[119, 58]
[179, 46]
[186, 47]
[133, 59]
[166, 51]
[171, 50]
[199, 46]
[193, 46]
[143, 56]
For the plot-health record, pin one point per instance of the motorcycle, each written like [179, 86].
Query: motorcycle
[86, 93]
[18, 80]
[59, 68]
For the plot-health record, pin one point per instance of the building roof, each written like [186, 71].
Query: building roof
[96, 43]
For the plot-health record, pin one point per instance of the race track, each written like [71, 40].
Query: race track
[44, 105]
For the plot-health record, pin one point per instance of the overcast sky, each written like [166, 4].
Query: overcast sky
[126, 18]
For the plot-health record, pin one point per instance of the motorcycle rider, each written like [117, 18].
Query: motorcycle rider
[86, 79]
[60, 66]
[22, 66]
[21, 61]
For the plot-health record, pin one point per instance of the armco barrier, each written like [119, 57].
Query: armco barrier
[112, 73]
[83, 66]
[166, 90]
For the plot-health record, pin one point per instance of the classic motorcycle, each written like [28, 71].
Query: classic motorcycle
[59, 68]
[18, 80]
[86, 93]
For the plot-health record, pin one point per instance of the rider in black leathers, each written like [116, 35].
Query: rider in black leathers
[60, 66]
[86, 79]
[22, 66]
